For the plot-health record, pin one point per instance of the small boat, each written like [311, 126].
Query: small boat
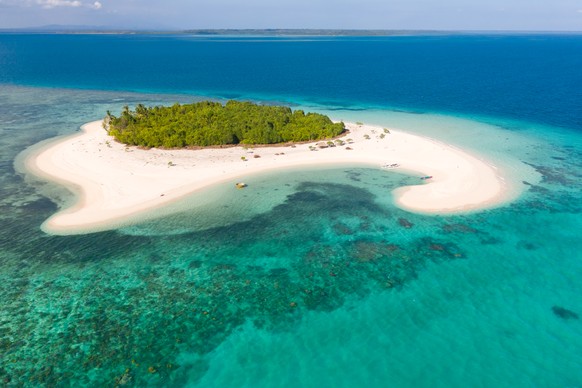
[390, 166]
[426, 177]
[241, 185]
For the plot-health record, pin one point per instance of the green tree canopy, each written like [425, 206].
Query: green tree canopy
[209, 123]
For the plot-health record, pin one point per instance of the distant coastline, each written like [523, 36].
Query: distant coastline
[273, 32]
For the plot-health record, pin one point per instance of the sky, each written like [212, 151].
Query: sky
[524, 15]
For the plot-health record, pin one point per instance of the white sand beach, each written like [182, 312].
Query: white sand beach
[116, 183]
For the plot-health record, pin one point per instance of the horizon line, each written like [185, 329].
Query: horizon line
[273, 31]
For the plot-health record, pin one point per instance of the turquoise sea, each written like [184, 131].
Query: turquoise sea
[308, 278]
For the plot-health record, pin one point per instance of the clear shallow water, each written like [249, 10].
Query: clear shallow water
[319, 283]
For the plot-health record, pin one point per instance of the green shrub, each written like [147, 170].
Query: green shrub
[209, 123]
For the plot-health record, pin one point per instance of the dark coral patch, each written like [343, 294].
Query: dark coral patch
[426, 247]
[555, 175]
[526, 245]
[458, 228]
[405, 223]
[564, 313]
[342, 229]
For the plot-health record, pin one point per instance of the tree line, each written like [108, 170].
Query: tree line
[210, 123]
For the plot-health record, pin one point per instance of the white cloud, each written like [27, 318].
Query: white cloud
[58, 3]
[48, 4]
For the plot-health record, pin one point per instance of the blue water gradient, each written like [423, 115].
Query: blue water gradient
[527, 77]
[306, 278]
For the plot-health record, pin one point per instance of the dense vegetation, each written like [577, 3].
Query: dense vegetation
[211, 123]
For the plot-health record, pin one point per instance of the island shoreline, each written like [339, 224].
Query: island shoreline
[85, 163]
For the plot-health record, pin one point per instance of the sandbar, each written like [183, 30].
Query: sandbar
[115, 183]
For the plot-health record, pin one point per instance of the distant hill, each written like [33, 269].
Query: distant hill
[310, 32]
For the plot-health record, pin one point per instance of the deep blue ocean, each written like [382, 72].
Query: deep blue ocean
[310, 278]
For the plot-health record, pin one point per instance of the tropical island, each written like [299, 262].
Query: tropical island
[208, 123]
[152, 164]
